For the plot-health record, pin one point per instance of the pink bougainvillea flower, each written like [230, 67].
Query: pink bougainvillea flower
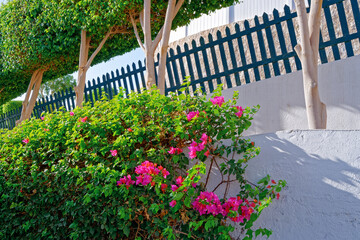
[130, 130]
[277, 196]
[192, 154]
[42, 118]
[192, 115]
[165, 173]
[174, 188]
[217, 101]
[72, 113]
[163, 187]
[193, 185]
[240, 111]
[273, 182]
[83, 119]
[113, 152]
[204, 139]
[239, 114]
[172, 150]
[208, 203]
[172, 203]
[152, 183]
[127, 181]
[26, 141]
[207, 153]
[175, 150]
[46, 130]
[179, 180]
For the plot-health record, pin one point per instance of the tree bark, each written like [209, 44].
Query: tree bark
[34, 86]
[164, 45]
[83, 58]
[308, 52]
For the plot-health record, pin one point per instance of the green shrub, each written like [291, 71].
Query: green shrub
[60, 176]
[9, 106]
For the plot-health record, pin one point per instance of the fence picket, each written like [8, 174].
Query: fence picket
[331, 30]
[252, 50]
[223, 58]
[242, 53]
[271, 44]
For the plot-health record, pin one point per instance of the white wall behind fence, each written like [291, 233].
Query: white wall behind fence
[282, 104]
[238, 12]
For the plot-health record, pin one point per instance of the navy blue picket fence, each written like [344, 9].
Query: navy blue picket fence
[213, 61]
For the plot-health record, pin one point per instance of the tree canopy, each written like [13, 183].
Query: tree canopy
[39, 34]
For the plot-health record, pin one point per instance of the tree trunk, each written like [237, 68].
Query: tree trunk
[150, 70]
[34, 86]
[83, 58]
[164, 44]
[308, 53]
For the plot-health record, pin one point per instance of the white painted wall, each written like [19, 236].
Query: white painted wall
[241, 11]
[282, 103]
[322, 198]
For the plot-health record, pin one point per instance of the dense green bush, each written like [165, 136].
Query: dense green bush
[60, 175]
[7, 107]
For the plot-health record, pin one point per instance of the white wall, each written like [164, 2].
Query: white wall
[245, 10]
[282, 103]
[322, 198]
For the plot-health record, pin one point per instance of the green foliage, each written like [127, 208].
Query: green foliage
[58, 178]
[57, 85]
[7, 107]
[46, 34]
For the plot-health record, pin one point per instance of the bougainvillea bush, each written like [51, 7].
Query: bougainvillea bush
[119, 170]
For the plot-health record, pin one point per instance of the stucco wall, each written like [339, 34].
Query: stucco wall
[322, 169]
[282, 103]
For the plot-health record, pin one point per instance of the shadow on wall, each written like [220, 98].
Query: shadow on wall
[322, 169]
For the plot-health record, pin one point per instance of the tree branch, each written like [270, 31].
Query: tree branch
[136, 32]
[303, 27]
[141, 18]
[161, 32]
[314, 24]
[97, 50]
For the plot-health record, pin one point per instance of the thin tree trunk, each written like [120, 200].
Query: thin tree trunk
[83, 58]
[150, 70]
[308, 54]
[34, 86]
[164, 45]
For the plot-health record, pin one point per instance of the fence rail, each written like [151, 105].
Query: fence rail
[249, 51]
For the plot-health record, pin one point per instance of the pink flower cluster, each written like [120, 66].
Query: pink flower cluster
[198, 147]
[126, 181]
[26, 141]
[217, 101]
[147, 170]
[192, 115]
[175, 150]
[209, 203]
[240, 111]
